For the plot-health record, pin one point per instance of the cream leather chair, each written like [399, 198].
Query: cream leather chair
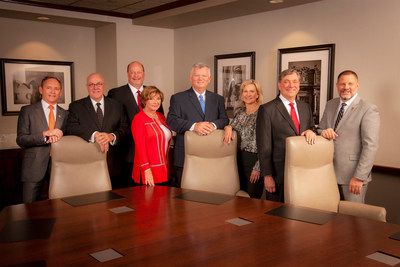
[310, 180]
[77, 168]
[210, 164]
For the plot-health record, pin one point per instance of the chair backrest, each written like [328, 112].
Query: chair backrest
[310, 179]
[210, 164]
[78, 167]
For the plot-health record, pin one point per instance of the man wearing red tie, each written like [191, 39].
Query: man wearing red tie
[39, 125]
[129, 96]
[276, 120]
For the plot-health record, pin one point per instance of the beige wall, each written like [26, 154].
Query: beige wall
[365, 33]
[46, 41]
[106, 49]
[154, 48]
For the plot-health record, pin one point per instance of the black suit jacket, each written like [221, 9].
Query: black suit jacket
[31, 125]
[273, 126]
[124, 95]
[83, 122]
[185, 109]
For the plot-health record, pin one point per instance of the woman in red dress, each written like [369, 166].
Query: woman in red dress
[152, 140]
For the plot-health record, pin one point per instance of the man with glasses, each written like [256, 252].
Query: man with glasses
[100, 119]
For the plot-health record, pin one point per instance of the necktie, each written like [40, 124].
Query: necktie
[202, 104]
[99, 114]
[138, 99]
[294, 117]
[52, 121]
[340, 115]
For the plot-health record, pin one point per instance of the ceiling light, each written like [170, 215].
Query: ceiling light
[43, 18]
[275, 1]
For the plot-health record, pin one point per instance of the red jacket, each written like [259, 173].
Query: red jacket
[149, 147]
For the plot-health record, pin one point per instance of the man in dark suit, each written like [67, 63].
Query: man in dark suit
[196, 110]
[100, 119]
[39, 125]
[276, 120]
[129, 96]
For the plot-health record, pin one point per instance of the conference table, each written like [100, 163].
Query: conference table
[168, 226]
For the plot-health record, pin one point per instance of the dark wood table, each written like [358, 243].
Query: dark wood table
[165, 231]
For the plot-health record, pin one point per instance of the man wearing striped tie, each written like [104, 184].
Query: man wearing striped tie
[354, 125]
[39, 125]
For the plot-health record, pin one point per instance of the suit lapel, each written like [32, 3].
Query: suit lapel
[302, 109]
[131, 100]
[60, 117]
[42, 115]
[92, 112]
[107, 112]
[210, 104]
[282, 109]
[349, 112]
[195, 102]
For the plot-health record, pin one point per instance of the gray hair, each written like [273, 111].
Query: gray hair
[200, 65]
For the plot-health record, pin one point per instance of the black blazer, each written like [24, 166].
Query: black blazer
[185, 109]
[82, 121]
[273, 126]
[124, 95]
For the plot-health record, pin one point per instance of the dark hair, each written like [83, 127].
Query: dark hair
[347, 72]
[48, 78]
[288, 72]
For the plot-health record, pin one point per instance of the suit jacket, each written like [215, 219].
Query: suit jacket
[150, 148]
[273, 126]
[83, 122]
[124, 95]
[357, 141]
[185, 110]
[31, 125]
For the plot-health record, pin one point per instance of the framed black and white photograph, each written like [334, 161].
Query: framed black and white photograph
[315, 65]
[20, 82]
[230, 71]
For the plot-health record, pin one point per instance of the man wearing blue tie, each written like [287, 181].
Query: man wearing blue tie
[195, 109]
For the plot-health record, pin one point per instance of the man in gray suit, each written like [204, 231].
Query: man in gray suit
[276, 120]
[195, 109]
[353, 124]
[39, 125]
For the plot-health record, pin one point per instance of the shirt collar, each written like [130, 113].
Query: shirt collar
[134, 89]
[348, 102]
[285, 101]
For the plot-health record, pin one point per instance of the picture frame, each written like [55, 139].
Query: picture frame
[315, 65]
[230, 71]
[21, 79]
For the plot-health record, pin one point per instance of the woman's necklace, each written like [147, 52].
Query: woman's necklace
[249, 111]
[153, 116]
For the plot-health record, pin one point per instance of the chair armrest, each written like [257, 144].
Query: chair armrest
[242, 193]
[363, 210]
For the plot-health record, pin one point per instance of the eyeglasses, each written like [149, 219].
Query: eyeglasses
[91, 85]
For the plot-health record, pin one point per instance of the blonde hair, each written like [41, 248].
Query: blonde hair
[256, 85]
